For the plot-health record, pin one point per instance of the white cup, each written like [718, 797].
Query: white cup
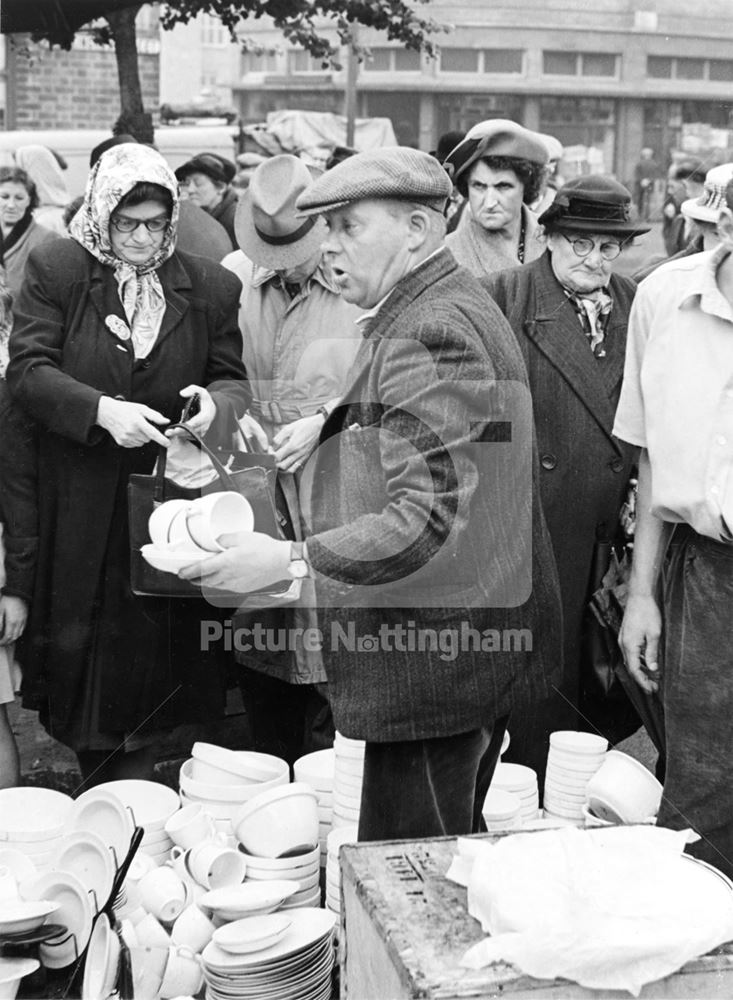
[190, 826]
[148, 966]
[140, 865]
[216, 866]
[193, 929]
[150, 933]
[183, 974]
[217, 514]
[160, 521]
[163, 894]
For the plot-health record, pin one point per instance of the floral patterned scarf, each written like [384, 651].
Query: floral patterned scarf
[113, 176]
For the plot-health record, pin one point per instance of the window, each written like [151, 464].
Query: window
[406, 60]
[503, 60]
[559, 63]
[579, 63]
[598, 64]
[301, 61]
[481, 61]
[459, 60]
[659, 67]
[259, 62]
[721, 70]
[383, 60]
[213, 31]
[690, 69]
[686, 68]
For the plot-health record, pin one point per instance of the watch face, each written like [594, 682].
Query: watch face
[298, 569]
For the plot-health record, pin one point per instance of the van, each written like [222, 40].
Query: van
[177, 143]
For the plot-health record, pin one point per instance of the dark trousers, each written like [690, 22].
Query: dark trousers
[287, 720]
[697, 691]
[428, 788]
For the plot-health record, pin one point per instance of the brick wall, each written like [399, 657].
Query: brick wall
[77, 89]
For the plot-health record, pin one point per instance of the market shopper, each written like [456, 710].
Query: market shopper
[206, 180]
[677, 633]
[19, 231]
[43, 169]
[499, 168]
[570, 314]
[300, 339]
[114, 329]
[425, 526]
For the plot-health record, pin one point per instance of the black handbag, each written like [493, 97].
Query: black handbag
[252, 476]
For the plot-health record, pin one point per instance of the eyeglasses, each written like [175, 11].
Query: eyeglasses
[584, 246]
[124, 224]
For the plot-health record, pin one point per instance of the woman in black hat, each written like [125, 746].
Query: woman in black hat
[206, 180]
[570, 314]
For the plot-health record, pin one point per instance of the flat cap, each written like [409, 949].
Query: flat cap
[494, 137]
[394, 172]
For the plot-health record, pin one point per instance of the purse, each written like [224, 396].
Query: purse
[252, 476]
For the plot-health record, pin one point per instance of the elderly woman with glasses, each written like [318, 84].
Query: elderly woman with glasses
[570, 313]
[114, 331]
[206, 181]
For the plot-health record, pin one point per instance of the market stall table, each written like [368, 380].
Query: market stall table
[405, 927]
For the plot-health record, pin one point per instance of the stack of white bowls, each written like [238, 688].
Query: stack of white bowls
[522, 782]
[572, 761]
[32, 821]
[318, 770]
[222, 780]
[150, 805]
[502, 810]
[348, 778]
[336, 840]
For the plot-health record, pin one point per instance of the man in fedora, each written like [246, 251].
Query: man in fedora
[300, 339]
[436, 584]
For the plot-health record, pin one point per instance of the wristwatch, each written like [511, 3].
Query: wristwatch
[298, 567]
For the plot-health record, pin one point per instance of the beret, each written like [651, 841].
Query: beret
[592, 203]
[218, 168]
[495, 137]
[394, 172]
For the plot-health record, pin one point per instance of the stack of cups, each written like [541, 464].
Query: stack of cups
[318, 770]
[572, 761]
[348, 777]
[502, 810]
[336, 840]
[522, 782]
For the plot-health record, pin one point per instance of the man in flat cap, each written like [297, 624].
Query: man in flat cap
[436, 582]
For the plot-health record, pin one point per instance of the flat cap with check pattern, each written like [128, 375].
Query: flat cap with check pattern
[394, 172]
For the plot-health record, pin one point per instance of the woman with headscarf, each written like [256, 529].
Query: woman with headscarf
[499, 168]
[19, 231]
[114, 330]
[43, 169]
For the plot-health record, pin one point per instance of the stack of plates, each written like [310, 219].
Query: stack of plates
[348, 777]
[572, 761]
[336, 840]
[101, 813]
[150, 804]
[32, 822]
[318, 770]
[522, 781]
[298, 965]
[302, 869]
[85, 855]
[221, 780]
[502, 810]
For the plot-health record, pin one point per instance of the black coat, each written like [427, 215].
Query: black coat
[144, 653]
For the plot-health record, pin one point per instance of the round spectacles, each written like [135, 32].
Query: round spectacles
[124, 224]
[584, 246]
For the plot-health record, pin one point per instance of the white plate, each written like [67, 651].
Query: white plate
[20, 865]
[102, 813]
[102, 958]
[19, 915]
[252, 933]
[29, 814]
[12, 970]
[309, 925]
[172, 559]
[249, 898]
[75, 913]
[150, 802]
[86, 855]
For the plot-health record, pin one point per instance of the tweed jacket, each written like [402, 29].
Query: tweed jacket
[584, 469]
[424, 518]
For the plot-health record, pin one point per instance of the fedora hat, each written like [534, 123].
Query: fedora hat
[592, 203]
[266, 224]
[707, 207]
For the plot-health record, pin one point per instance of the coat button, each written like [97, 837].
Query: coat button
[616, 464]
[146, 363]
[548, 461]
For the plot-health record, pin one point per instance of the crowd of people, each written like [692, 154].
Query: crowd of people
[455, 419]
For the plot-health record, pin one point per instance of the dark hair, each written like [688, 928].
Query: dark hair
[16, 175]
[144, 191]
[530, 175]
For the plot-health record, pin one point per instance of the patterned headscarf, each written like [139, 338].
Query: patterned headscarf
[114, 175]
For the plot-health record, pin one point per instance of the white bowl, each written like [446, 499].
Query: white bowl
[592, 821]
[247, 764]
[252, 933]
[623, 788]
[305, 860]
[29, 814]
[159, 522]
[12, 971]
[217, 514]
[316, 769]
[20, 915]
[279, 822]
[226, 793]
[578, 743]
[247, 899]
[150, 802]
[500, 805]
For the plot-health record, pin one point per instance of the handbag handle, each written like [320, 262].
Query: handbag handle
[159, 487]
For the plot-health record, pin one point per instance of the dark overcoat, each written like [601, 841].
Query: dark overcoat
[427, 536]
[584, 469]
[144, 653]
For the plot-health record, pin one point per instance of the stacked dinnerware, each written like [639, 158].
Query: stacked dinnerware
[336, 840]
[573, 759]
[150, 805]
[522, 781]
[223, 780]
[502, 810]
[348, 778]
[301, 868]
[318, 770]
[32, 821]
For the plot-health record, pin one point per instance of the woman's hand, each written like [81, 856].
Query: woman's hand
[130, 424]
[201, 421]
[294, 442]
[13, 616]
[639, 640]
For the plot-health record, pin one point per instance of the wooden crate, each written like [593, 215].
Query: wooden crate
[404, 928]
